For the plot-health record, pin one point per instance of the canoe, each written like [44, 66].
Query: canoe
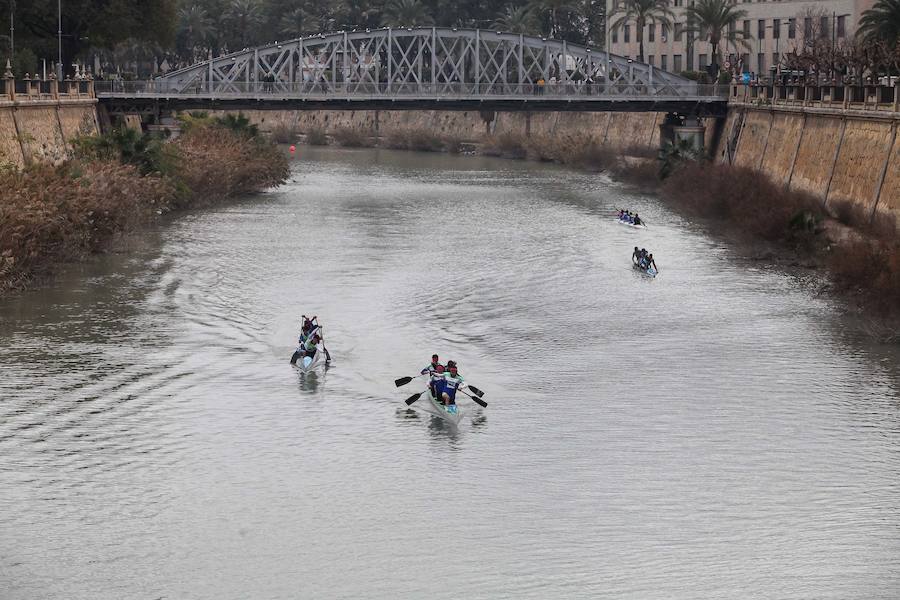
[650, 271]
[451, 413]
[306, 363]
[641, 226]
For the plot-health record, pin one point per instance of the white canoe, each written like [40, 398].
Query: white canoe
[452, 414]
[650, 271]
[641, 226]
[307, 363]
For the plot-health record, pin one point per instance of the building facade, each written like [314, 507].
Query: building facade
[772, 28]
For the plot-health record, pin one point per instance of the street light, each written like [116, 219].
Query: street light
[59, 67]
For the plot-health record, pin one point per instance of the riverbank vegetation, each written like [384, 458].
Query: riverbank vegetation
[116, 182]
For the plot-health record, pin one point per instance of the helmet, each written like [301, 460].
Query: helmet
[434, 357]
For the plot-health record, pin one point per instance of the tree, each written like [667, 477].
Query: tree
[244, 17]
[715, 20]
[92, 23]
[516, 19]
[194, 28]
[405, 13]
[555, 11]
[881, 23]
[642, 13]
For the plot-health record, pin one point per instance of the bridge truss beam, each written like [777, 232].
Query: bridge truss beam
[388, 60]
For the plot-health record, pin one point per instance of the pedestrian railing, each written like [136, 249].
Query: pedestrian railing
[847, 97]
[324, 90]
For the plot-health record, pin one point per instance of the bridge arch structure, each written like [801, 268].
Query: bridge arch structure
[431, 60]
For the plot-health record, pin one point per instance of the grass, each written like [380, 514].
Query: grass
[284, 134]
[742, 197]
[316, 137]
[116, 182]
[350, 137]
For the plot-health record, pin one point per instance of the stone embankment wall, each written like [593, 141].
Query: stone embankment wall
[37, 126]
[618, 130]
[833, 153]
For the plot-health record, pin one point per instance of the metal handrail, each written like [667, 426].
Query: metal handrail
[438, 91]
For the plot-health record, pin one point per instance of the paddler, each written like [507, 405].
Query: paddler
[432, 367]
[650, 262]
[452, 381]
[310, 345]
[307, 327]
[437, 382]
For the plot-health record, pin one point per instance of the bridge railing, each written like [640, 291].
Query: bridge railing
[323, 90]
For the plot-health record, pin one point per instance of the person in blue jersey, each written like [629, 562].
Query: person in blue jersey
[430, 370]
[452, 382]
[437, 382]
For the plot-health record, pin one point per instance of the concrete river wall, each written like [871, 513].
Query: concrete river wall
[38, 121]
[836, 153]
[618, 130]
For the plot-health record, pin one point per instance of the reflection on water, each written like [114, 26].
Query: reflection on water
[715, 432]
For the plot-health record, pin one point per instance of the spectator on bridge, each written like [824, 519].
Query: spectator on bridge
[540, 86]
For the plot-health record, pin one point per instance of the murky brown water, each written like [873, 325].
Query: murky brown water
[713, 433]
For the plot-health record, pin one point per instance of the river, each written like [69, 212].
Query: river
[716, 432]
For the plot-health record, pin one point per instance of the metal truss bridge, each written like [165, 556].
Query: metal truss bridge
[420, 68]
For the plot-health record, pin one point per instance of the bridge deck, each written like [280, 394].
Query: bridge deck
[694, 99]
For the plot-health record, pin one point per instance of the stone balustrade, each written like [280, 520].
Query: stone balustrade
[843, 97]
[50, 90]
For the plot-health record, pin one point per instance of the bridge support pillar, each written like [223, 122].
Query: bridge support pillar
[677, 129]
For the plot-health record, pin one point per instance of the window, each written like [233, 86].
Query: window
[776, 28]
[679, 31]
[775, 59]
[676, 60]
[651, 60]
[615, 36]
[823, 27]
[627, 33]
[760, 63]
[792, 28]
[807, 28]
[842, 26]
[679, 2]
[745, 62]
[664, 32]
[651, 33]
[703, 62]
[731, 28]
[747, 29]
[664, 62]
[761, 29]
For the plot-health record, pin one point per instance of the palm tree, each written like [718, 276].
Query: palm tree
[881, 23]
[194, 27]
[292, 24]
[554, 9]
[244, 16]
[715, 20]
[642, 12]
[405, 13]
[516, 19]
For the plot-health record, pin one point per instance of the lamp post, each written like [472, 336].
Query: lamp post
[59, 65]
[12, 30]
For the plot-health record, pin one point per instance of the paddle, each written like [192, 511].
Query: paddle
[413, 398]
[404, 380]
[478, 392]
[475, 399]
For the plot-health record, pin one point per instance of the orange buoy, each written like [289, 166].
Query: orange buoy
[293, 148]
